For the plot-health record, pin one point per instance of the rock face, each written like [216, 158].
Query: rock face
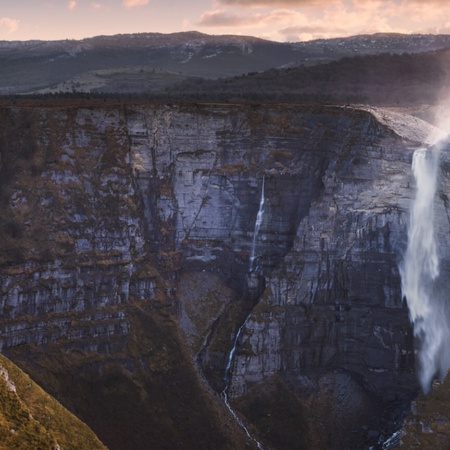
[111, 210]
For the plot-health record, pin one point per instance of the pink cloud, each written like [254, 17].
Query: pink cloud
[8, 24]
[133, 3]
[316, 30]
[276, 3]
[221, 18]
[295, 20]
[327, 3]
[72, 5]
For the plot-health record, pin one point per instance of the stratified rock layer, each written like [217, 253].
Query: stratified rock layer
[108, 209]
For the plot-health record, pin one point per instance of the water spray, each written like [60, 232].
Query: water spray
[420, 271]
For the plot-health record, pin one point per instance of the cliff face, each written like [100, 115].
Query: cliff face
[122, 224]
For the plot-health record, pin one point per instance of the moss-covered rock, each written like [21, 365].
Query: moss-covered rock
[428, 424]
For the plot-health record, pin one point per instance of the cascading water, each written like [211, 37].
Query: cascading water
[259, 218]
[420, 273]
[227, 377]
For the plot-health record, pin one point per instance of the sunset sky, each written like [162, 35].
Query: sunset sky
[280, 20]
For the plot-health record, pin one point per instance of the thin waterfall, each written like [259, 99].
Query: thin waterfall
[227, 379]
[420, 273]
[227, 376]
[259, 218]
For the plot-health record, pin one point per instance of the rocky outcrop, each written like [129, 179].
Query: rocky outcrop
[109, 209]
[428, 424]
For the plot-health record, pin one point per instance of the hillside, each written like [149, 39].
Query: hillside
[135, 62]
[32, 419]
[428, 424]
[33, 65]
[386, 79]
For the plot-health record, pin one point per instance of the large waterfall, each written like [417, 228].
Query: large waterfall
[420, 274]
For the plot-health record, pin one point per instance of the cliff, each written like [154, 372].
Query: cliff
[127, 232]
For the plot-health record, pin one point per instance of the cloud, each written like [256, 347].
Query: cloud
[72, 5]
[327, 3]
[299, 20]
[444, 28]
[221, 18]
[10, 25]
[133, 3]
[306, 28]
[277, 3]
[313, 29]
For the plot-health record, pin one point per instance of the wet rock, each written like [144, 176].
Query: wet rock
[255, 285]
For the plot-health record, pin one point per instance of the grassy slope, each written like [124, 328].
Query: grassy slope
[30, 418]
[428, 425]
[144, 395]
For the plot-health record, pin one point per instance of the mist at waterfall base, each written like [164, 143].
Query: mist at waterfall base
[420, 274]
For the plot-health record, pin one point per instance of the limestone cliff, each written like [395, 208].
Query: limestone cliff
[122, 224]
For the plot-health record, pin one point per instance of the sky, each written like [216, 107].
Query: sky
[278, 20]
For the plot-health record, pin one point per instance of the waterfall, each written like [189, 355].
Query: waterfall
[231, 355]
[227, 379]
[420, 273]
[258, 222]
[227, 376]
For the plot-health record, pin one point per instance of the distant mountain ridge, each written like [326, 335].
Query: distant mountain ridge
[29, 66]
[377, 43]
[135, 40]
[32, 65]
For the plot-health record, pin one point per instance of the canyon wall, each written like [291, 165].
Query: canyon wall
[127, 232]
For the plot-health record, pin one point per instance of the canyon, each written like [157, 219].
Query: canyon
[127, 231]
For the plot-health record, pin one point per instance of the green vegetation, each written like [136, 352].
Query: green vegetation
[144, 394]
[428, 425]
[32, 419]
[383, 79]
